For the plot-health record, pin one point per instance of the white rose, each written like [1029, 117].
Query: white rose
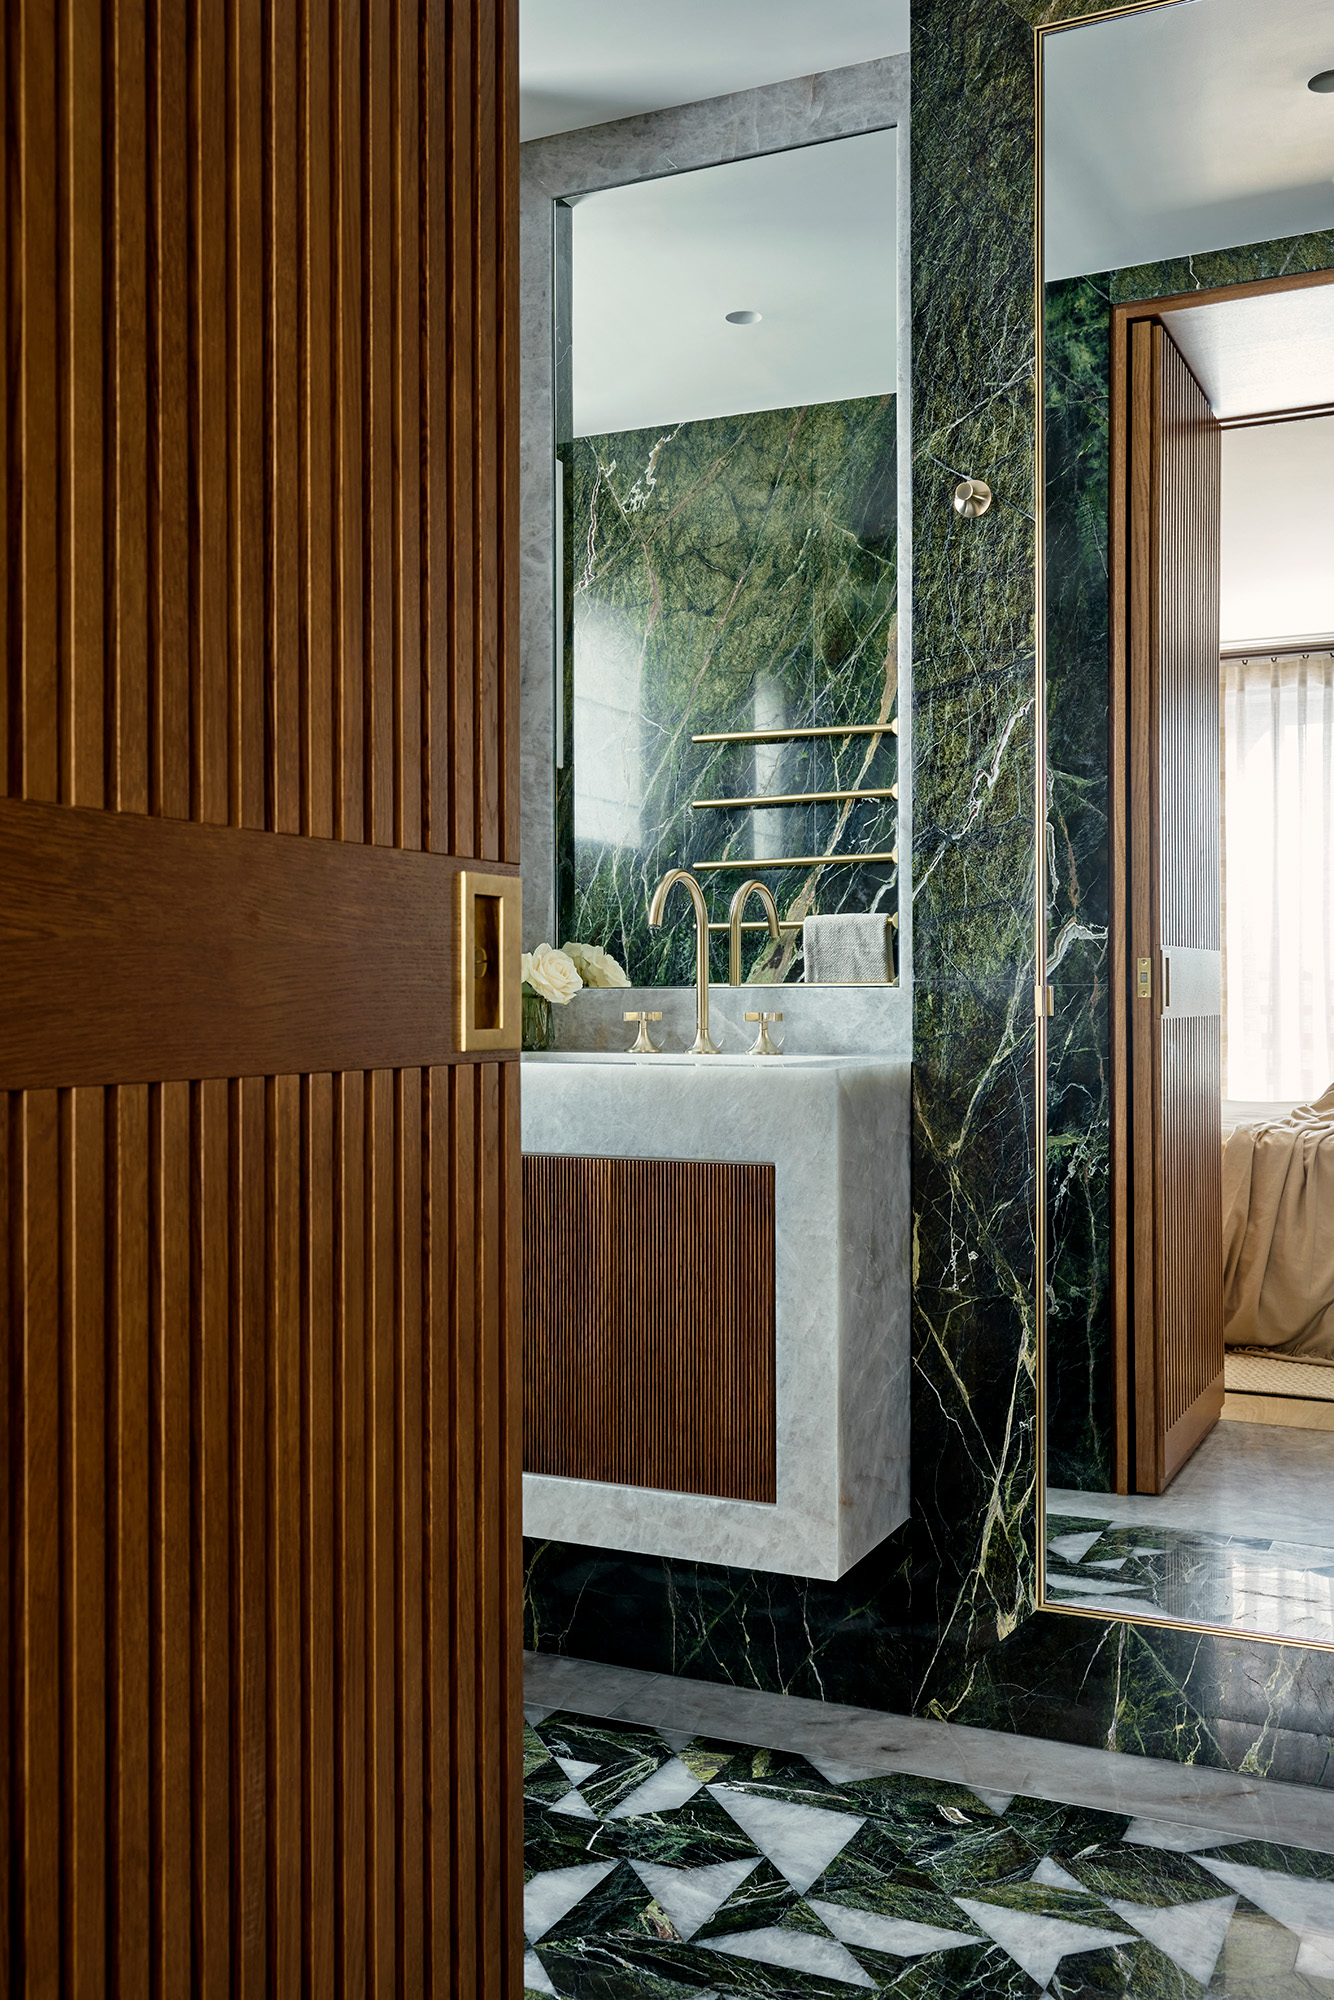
[595, 966]
[550, 973]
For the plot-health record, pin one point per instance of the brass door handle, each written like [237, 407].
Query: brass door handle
[490, 1008]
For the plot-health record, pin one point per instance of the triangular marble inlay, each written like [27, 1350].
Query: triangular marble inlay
[576, 1771]
[1190, 1934]
[1036, 1943]
[665, 1789]
[794, 1951]
[801, 1841]
[891, 1934]
[691, 1895]
[1295, 1901]
[1049, 1874]
[553, 1894]
[575, 1805]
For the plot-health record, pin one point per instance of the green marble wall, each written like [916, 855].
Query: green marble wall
[732, 573]
[938, 1620]
[1077, 394]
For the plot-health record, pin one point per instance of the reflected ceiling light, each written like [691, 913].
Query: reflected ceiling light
[754, 318]
[1323, 83]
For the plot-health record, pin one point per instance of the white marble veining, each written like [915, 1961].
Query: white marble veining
[865, 97]
[836, 1129]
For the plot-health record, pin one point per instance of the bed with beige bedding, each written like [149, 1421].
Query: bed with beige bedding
[1278, 1232]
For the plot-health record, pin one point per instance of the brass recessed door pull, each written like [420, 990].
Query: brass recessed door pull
[762, 1046]
[644, 1044]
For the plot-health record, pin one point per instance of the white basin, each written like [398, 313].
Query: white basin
[836, 1129]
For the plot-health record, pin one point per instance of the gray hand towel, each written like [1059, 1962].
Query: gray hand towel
[847, 951]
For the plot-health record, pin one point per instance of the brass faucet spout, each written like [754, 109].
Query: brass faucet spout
[702, 1045]
[734, 916]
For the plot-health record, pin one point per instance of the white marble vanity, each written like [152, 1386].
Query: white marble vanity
[836, 1129]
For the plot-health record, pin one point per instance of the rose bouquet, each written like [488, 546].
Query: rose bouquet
[552, 978]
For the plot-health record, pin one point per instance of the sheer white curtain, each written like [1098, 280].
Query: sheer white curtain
[1278, 833]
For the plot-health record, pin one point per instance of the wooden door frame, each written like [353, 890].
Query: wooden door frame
[1126, 1226]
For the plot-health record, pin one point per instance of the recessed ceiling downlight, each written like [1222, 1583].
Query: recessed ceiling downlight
[754, 318]
[1323, 83]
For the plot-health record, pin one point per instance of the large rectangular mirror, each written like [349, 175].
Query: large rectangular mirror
[1187, 312]
[728, 498]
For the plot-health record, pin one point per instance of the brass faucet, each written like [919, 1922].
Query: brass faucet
[701, 1046]
[734, 915]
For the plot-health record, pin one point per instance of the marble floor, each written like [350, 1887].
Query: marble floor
[1243, 1537]
[687, 1841]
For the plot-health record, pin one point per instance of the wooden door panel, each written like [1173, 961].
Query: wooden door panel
[258, 1217]
[261, 1537]
[1172, 907]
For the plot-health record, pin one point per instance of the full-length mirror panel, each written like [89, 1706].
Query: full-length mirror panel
[1188, 385]
[728, 442]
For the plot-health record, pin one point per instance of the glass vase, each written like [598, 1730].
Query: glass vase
[537, 1029]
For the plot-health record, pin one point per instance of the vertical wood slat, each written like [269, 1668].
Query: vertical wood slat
[84, 1541]
[169, 406]
[211, 1506]
[259, 1640]
[82, 566]
[129, 1748]
[169, 1548]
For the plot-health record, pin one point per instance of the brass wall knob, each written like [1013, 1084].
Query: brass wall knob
[971, 498]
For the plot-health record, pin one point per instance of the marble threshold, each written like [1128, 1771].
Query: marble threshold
[847, 1743]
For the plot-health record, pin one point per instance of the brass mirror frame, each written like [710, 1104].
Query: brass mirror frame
[1101, 1615]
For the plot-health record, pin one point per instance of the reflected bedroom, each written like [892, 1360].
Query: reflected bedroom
[1189, 518]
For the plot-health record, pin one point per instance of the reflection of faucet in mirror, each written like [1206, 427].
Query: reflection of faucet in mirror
[701, 1046]
[734, 915]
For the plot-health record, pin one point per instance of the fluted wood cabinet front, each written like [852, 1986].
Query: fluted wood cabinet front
[258, 1215]
[650, 1323]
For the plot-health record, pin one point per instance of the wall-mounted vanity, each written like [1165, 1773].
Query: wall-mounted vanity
[714, 663]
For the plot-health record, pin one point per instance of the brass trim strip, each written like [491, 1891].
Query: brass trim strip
[795, 735]
[800, 861]
[798, 798]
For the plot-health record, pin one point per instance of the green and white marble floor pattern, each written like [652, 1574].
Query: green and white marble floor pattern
[674, 1865]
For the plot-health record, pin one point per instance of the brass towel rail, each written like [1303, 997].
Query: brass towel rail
[797, 735]
[760, 924]
[798, 861]
[799, 798]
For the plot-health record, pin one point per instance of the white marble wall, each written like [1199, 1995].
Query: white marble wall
[866, 97]
[836, 1129]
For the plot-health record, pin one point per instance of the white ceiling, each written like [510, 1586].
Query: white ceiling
[1275, 352]
[582, 62]
[1278, 531]
[805, 238]
[1186, 128]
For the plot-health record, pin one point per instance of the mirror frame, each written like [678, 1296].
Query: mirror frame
[1090, 16]
[775, 118]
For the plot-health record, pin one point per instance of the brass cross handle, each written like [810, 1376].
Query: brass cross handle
[643, 1044]
[762, 1046]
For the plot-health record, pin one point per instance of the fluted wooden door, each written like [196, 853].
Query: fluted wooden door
[258, 1635]
[1173, 934]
